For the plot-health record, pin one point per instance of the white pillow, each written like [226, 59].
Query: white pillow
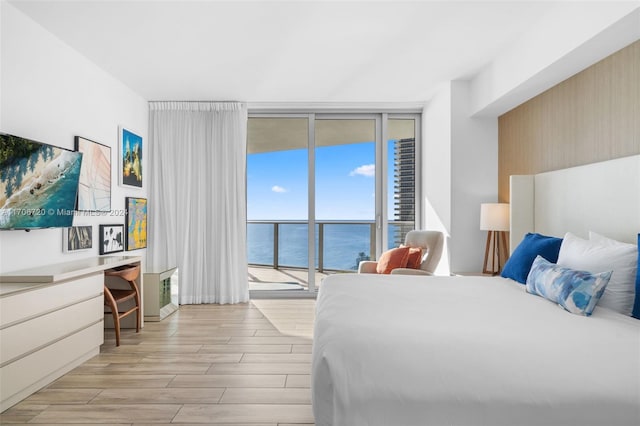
[601, 254]
[594, 236]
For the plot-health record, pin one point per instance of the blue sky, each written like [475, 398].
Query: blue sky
[345, 184]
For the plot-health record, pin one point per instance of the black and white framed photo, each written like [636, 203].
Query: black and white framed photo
[111, 238]
[130, 158]
[77, 238]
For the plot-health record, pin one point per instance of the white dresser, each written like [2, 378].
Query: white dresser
[51, 320]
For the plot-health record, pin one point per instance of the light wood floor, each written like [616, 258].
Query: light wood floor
[245, 364]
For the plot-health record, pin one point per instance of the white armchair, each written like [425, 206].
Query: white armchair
[431, 242]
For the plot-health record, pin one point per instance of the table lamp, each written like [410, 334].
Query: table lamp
[494, 217]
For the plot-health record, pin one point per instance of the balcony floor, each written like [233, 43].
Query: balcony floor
[268, 278]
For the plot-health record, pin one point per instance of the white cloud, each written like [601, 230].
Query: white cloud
[279, 189]
[368, 170]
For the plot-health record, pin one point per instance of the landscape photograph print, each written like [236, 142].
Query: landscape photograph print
[38, 183]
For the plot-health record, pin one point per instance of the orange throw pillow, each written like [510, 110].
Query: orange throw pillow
[392, 259]
[415, 258]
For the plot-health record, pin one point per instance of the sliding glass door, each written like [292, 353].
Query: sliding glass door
[325, 191]
[345, 188]
[277, 203]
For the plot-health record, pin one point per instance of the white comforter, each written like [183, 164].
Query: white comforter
[407, 350]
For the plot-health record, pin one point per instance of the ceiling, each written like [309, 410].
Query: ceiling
[304, 51]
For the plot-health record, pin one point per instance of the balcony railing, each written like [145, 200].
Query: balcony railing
[340, 245]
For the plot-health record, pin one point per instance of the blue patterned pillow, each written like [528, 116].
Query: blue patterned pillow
[636, 305]
[576, 291]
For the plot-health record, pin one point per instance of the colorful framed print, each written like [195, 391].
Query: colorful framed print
[77, 238]
[130, 158]
[136, 223]
[94, 189]
[111, 238]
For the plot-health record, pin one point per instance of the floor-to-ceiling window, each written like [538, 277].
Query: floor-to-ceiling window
[345, 192]
[401, 179]
[325, 191]
[277, 202]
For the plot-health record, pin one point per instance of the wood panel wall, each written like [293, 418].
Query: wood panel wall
[592, 116]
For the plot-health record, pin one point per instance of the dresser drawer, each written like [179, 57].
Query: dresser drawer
[19, 307]
[26, 375]
[27, 336]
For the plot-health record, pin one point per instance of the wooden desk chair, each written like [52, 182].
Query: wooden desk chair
[112, 297]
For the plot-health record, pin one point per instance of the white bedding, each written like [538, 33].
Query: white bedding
[407, 350]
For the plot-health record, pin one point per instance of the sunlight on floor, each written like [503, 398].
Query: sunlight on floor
[289, 317]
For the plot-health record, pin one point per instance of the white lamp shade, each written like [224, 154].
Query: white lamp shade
[494, 217]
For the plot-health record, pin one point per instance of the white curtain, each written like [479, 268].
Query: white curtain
[197, 198]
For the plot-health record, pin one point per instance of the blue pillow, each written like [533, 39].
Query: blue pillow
[636, 306]
[519, 264]
[576, 291]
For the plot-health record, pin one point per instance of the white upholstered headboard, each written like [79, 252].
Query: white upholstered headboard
[602, 197]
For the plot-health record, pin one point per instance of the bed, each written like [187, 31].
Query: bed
[408, 350]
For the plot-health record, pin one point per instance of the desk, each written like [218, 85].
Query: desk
[51, 321]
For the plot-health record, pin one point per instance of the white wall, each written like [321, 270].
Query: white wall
[474, 171]
[436, 168]
[572, 37]
[51, 93]
[460, 171]
[460, 128]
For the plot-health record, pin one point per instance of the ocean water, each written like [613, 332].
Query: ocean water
[344, 244]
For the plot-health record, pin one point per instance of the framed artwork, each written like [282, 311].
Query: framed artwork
[94, 188]
[136, 223]
[111, 238]
[130, 163]
[77, 238]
